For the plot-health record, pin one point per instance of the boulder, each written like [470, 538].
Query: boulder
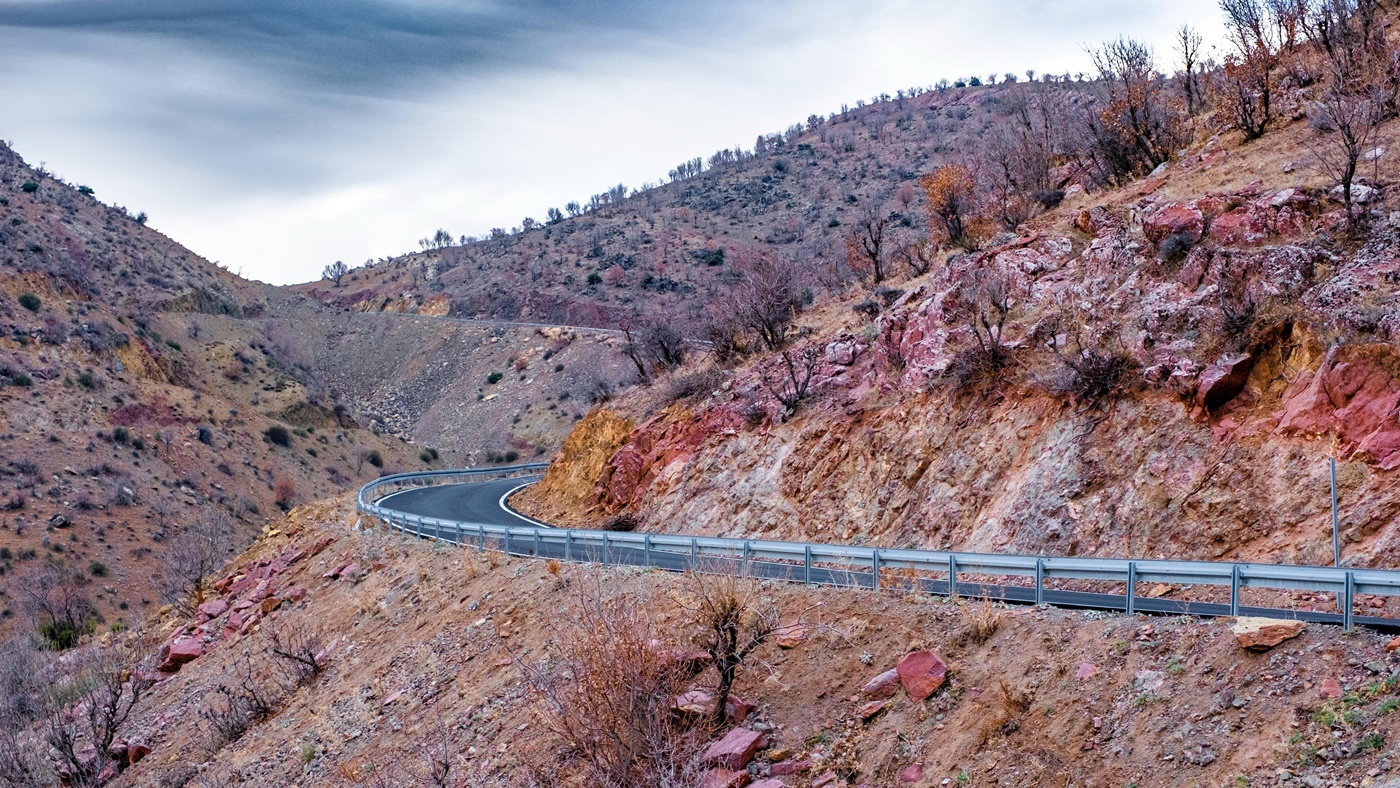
[921, 673]
[213, 608]
[179, 652]
[735, 750]
[1174, 219]
[135, 751]
[1262, 634]
[1393, 645]
[701, 703]
[1223, 381]
[883, 685]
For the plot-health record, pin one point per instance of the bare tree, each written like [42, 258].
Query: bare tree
[194, 557]
[767, 297]
[1136, 128]
[1253, 32]
[789, 378]
[1188, 46]
[915, 256]
[58, 602]
[1362, 80]
[982, 301]
[335, 272]
[865, 245]
[112, 681]
[22, 688]
[732, 620]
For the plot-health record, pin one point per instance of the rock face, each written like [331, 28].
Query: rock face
[1223, 381]
[1262, 634]
[735, 750]
[922, 673]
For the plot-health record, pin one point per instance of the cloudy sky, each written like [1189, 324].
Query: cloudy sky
[276, 136]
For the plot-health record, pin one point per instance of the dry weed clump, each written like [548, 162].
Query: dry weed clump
[603, 690]
[1002, 711]
[732, 620]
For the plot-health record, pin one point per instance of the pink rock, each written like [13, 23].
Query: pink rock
[179, 652]
[214, 608]
[883, 685]
[1329, 688]
[1223, 381]
[871, 709]
[735, 750]
[350, 570]
[1086, 670]
[785, 768]
[135, 751]
[825, 780]
[701, 703]
[912, 773]
[1174, 219]
[792, 635]
[921, 673]
[294, 594]
[768, 783]
[338, 571]
[724, 778]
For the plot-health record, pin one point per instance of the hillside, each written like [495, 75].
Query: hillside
[145, 391]
[428, 667]
[669, 250]
[1147, 399]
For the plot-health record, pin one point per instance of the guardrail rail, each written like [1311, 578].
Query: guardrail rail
[931, 571]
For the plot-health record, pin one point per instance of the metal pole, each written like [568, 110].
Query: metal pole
[1336, 530]
[646, 549]
[1039, 581]
[568, 544]
[952, 577]
[537, 543]
[1350, 604]
[1336, 534]
[807, 565]
[875, 569]
[694, 551]
[1235, 590]
[1132, 586]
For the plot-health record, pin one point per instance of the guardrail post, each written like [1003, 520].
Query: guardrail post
[507, 550]
[875, 569]
[646, 549]
[1132, 587]
[1040, 581]
[952, 577]
[1350, 594]
[606, 543]
[694, 552]
[568, 544]
[481, 538]
[807, 565]
[1235, 590]
[744, 562]
[437, 533]
[537, 543]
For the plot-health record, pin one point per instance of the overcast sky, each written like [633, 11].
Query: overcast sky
[276, 136]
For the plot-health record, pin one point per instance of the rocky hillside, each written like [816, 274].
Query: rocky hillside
[433, 667]
[144, 390]
[1175, 360]
[667, 251]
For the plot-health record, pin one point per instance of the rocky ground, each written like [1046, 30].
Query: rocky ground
[417, 646]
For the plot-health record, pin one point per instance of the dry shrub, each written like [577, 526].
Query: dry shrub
[693, 385]
[299, 651]
[604, 693]
[984, 618]
[1001, 713]
[732, 620]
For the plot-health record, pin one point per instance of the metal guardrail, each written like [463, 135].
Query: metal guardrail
[849, 565]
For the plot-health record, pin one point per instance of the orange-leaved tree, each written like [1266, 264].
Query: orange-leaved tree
[951, 191]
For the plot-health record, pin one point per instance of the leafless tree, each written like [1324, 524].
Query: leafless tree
[915, 256]
[1188, 46]
[789, 378]
[732, 619]
[335, 272]
[982, 300]
[1253, 32]
[1362, 79]
[1136, 128]
[22, 689]
[112, 681]
[194, 557]
[865, 245]
[57, 600]
[767, 297]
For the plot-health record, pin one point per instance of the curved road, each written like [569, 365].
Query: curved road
[478, 502]
[485, 502]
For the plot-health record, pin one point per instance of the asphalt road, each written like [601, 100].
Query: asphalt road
[484, 502]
